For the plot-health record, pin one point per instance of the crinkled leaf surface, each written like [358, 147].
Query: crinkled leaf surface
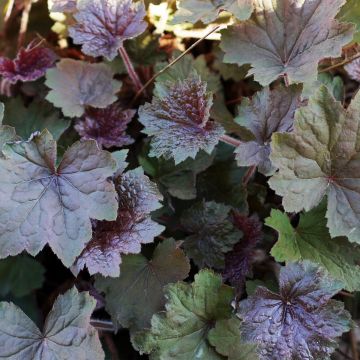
[179, 122]
[138, 197]
[226, 337]
[103, 25]
[301, 322]
[37, 116]
[76, 84]
[238, 261]
[20, 275]
[137, 294]
[106, 126]
[47, 204]
[30, 64]
[267, 112]
[311, 240]
[207, 10]
[322, 157]
[181, 333]
[67, 333]
[212, 233]
[287, 37]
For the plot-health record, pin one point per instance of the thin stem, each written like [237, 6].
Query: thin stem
[249, 174]
[111, 346]
[8, 11]
[173, 62]
[346, 61]
[230, 140]
[24, 22]
[354, 345]
[286, 80]
[103, 325]
[130, 68]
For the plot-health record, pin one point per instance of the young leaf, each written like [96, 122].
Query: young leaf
[20, 275]
[138, 197]
[226, 337]
[311, 241]
[137, 294]
[287, 38]
[77, 84]
[30, 64]
[238, 262]
[39, 115]
[179, 122]
[207, 11]
[301, 322]
[212, 233]
[191, 311]
[103, 25]
[269, 111]
[47, 204]
[106, 126]
[321, 157]
[67, 333]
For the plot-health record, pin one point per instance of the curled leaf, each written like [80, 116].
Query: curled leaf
[179, 121]
[76, 84]
[287, 38]
[30, 64]
[106, 126]
[103, 25]
[301, 322]
[138, 196]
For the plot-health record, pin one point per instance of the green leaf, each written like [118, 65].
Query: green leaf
[181, 333]
[226, 337]
[286, 37]
[77, 84]
[207, 10]
[20, 275]
[67, 333]
[350, 12]
[47, 204]
[311, 240]
[36, 117]
[137, 294]
[321, 157]
[212, 233]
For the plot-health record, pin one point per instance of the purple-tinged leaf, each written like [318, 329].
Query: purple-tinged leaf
[42, 203]
[103, 25]
[106, 126]
[66, 6]
[212, 234]
[179, 121]
[30, 64]
[301, 322]
[138, 197]
[287, 37]
[353, 69]
[76, 84]
[267, 112]
[66, 334]
[238, 262]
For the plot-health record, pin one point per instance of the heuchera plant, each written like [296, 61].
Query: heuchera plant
[179, 180]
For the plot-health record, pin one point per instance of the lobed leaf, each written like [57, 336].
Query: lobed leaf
[212, 233]
[67, 332]
[138, 197]
[47, 204]
[301, 322]
[103, 25]
[137, 294]
[76, 84]
[287, 38]
[179, 121]
[321, 157]
[269, 111]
